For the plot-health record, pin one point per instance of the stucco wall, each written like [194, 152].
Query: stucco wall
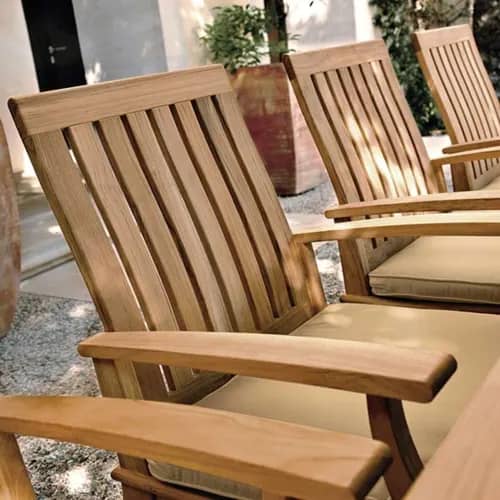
[182, 22]
[119, 38]
[17, 72]
[324, 23]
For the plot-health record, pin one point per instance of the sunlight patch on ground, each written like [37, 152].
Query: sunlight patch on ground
[326, 266]
[81, 310]
[78, 480]
[54, 229]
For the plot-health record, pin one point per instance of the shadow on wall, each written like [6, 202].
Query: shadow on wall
[120, 38]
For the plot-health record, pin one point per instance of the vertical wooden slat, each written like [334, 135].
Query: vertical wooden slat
[265, 197]
[480, 97]
[125, 233]
[154, 226]
[457, 96]
[179, 217]
[389, 84]
[370, 142]
[487, 94]
[402, 157]
[349, 138]
[123, 228]
[479, 125]
[351, 117]
[93, 249]
[328, 145]
[249, 211]
[364, 179]
[205, 217]
[98, 259]
[375, 123]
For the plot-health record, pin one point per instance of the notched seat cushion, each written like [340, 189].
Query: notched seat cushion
[493, 185]
[442, 268]
[474, 339]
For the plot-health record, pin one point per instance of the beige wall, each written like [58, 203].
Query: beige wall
[182, 22]
[17, 72]
[324, 23]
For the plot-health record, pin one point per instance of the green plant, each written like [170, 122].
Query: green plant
[241, 36]
[237, 36]
[397, 19]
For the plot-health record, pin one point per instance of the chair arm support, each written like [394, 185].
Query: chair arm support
[445, 224]
[280, 458]
[368, 368]
[436, 202]
[471, 155]
[468, 146]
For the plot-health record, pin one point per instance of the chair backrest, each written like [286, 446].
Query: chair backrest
[363, 128]
[463, 92]
[168, 209]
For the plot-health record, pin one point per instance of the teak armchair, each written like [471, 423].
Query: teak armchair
[285, 463]
[466, 99]
[182, 242]
[378, 165]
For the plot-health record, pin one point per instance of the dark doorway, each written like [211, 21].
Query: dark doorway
[54, 43]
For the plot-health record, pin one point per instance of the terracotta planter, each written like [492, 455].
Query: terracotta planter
[278, 128]
[9, 239]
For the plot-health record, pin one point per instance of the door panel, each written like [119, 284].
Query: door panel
[54, 43]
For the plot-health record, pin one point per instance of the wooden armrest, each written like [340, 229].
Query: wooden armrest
[369, 368]
[467, 146]
[467, 464]
[476, 154]
[445, 224]
[437, 202]
[278, 457]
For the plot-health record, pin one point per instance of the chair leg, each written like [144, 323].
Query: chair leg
[14, 479]
[388, 424]
[130, 493]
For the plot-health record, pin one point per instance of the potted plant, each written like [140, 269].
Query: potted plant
[240, 37]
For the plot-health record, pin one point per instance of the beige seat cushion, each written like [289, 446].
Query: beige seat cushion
[494, 185]
[442, 268]
[474, 339]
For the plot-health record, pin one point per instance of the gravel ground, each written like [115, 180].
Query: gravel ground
[314, 201]
[39, 356]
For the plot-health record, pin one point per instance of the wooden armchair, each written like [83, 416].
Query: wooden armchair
[292, 461]
[466, 99]
[378, 165]
[176, 229]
